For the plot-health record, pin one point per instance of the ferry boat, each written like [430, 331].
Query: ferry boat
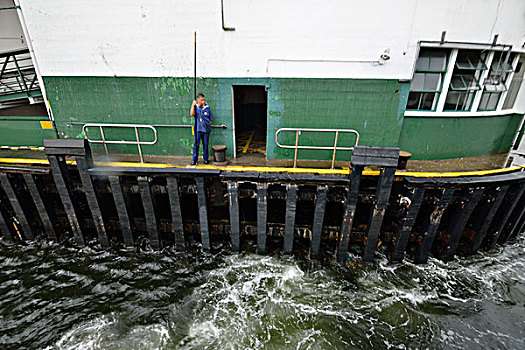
[297, 89]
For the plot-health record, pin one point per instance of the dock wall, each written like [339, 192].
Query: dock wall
[355, 217]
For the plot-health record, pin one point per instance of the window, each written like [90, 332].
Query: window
[496, 82]
[465, 80]
[514, 85]
[425, 88]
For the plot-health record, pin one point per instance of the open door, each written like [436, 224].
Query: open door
[250, 111]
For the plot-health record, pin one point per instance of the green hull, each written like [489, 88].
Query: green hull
[373, 107]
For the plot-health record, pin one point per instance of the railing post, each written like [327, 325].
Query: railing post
[138, 144]
[104, 140]
[335, 149]
[296, 144]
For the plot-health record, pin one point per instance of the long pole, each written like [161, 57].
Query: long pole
[195, 65]
[195, 82]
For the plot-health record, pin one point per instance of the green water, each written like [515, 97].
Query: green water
[58, 298]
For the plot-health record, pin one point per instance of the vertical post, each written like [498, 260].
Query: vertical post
[384, 186]
[335, 149]
[317, 227]
[441, 205]
[262, 191]
[516, 199]
[42, 211]
[512, 230]
[295, 151]
[203, 214]
[4, 230]
[104, 140]
[60, 174]
[289, 229]
[350, 206]
[138, 144]
[96, 213]
[458, 227]
[11, 195]
[405, 228]
[498, 199]
[176, 214]
[122, 211]
[233, 196]
[149, 211]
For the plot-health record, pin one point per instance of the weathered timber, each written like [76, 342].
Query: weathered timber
[176, 214]
[122, 211]
[21, 216]
[440, 205]
[41, 208]
[458, 226]
[291, 206]
[91, 197]
[407, 222]
[317, 226]
[233, 196]
[262, 204]
[382, 196]
[149, 211]
[514, 202]
[203, 213]
[495, 204]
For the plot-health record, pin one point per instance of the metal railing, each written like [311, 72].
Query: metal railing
[18, 77]
[334, 148]
[105, 142]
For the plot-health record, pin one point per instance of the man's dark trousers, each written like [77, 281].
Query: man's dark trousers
[205, 137]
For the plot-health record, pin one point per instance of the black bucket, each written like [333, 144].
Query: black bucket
[219, 154]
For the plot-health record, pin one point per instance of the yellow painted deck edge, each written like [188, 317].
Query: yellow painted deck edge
[343, 171]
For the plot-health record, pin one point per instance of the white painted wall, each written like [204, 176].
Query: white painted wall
[155, 37]
[11, 35]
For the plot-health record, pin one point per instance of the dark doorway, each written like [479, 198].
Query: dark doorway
[250, 106]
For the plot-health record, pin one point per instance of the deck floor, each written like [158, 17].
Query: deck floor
[258, 159]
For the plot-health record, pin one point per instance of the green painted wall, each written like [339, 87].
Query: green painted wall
[23, 131]
[446, 137]
[370, 106]
[373, 107]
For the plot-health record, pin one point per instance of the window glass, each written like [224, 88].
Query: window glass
[465, 80]
[426, 84]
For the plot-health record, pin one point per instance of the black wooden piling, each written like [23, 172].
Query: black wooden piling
[203, 213]
[317, 226]
[20, 215]
[176, 214]
[496, 202]
[122, 211]
[349, 213]
[56, 151]
[512, 226]
[515, 200]
[149, 211]
[382, 196]
[91, 197]
[4, 230]
[289, 229]
[457, 227]
[42, 211]
[441, 205]
[407, 222]
[233, 195]
[262, 203]
[515, 229]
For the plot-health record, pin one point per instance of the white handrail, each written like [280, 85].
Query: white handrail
[105, 142]
[335, 148]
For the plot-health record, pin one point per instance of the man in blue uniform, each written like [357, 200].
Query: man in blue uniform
[202, 112]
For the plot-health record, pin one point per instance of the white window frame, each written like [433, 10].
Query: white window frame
[439, 111]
